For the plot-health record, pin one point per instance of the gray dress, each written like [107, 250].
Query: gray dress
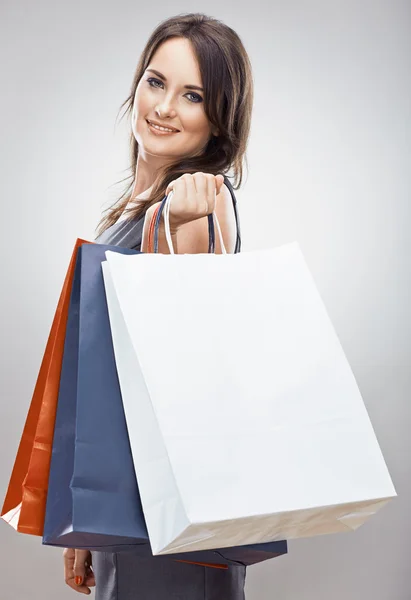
[125, 576]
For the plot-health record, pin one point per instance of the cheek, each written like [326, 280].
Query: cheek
[142, 103]
[196, 122]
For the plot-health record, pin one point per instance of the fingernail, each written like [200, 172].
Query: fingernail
[78, 580]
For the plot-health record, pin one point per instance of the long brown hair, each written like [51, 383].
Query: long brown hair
[228, 98]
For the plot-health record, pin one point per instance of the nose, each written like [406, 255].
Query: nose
[165, 109]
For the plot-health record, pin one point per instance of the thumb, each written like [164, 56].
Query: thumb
[219, 180]
[79, 568]
[169, 187]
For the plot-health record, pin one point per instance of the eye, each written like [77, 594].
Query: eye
[198, 98]
[152, 81]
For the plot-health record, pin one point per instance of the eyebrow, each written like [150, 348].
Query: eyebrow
[188, 87]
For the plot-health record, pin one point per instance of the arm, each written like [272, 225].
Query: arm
[192, 237]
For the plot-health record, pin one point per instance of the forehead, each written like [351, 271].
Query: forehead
[175, 58]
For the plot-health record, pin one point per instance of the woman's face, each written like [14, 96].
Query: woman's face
[171, 91]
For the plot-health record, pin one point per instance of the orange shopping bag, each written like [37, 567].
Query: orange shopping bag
[25, 503]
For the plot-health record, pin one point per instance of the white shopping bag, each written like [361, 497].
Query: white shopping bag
[245, 420]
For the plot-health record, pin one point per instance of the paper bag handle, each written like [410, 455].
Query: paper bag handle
[167, 225]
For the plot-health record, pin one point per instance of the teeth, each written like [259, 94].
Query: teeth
[161, 128]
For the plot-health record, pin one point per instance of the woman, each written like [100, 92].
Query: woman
[191, 103]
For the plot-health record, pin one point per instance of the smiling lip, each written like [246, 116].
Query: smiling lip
[173, 129]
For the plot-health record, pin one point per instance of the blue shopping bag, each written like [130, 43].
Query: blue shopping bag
[93, 500]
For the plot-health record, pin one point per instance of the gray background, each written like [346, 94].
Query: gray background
[329, 166]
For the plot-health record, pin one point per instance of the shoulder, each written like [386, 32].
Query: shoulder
[226, 205]
[224, 193]
[226, 215]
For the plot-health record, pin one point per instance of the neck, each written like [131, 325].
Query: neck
[146, 171]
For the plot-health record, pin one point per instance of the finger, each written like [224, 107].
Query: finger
[172, 184]
[90, 579]
[83, 588]
[191, 194]
[69, 555]
[200, 182]
[219, 180]
[79, 568]
[170, 187]
[180, 189]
